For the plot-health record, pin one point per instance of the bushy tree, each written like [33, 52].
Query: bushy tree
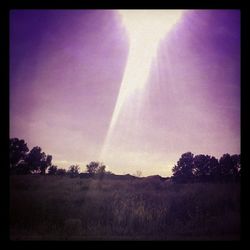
[73, 170]
[52, 170]
[61, 172]
[201, 166]
[237, 165]
[34, 159]
[183, 171]
[37, 160]
[95, 168]
[205, 168]
[215, 173]
[230, 167]
[18, 151]
[45, 164]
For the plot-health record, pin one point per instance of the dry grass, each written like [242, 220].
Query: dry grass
[62, 208]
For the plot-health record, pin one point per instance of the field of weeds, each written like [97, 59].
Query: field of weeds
[63, 208]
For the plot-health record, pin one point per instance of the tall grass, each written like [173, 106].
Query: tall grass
[61, 208]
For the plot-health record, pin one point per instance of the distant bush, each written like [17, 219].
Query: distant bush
[95, 168]
[52, 170]
[61, 172]
[84, 175]
[73, 171]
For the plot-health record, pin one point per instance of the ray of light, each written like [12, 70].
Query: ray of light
[145, 28]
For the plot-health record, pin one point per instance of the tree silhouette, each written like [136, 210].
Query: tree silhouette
[95, 168]
[183, 171]
[215, 173]
[205, 168]
[37, 161]
[230, 167]
[52, 170]
[35, 158]
[237, 166]
[73, 171]
[18, 151]
[61, 172]
[45, 164]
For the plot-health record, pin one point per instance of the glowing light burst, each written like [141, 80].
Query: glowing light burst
[145, 29]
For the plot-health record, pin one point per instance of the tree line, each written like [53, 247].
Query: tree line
[206, 168]
[34, 161]
[189, 168]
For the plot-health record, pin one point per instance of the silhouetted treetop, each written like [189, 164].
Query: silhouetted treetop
[95, 168]
[73, 170]
[38, 161]
[23, 161]
[183, 171]
[18, 151]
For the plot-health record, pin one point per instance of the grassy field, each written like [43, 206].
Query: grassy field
[63, 208]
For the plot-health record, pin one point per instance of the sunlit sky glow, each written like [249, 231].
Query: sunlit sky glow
[134, 89]
[145, 28]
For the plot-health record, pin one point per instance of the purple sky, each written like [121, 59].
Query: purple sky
[66, 67]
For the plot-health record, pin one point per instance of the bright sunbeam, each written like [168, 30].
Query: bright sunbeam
[145, 29]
